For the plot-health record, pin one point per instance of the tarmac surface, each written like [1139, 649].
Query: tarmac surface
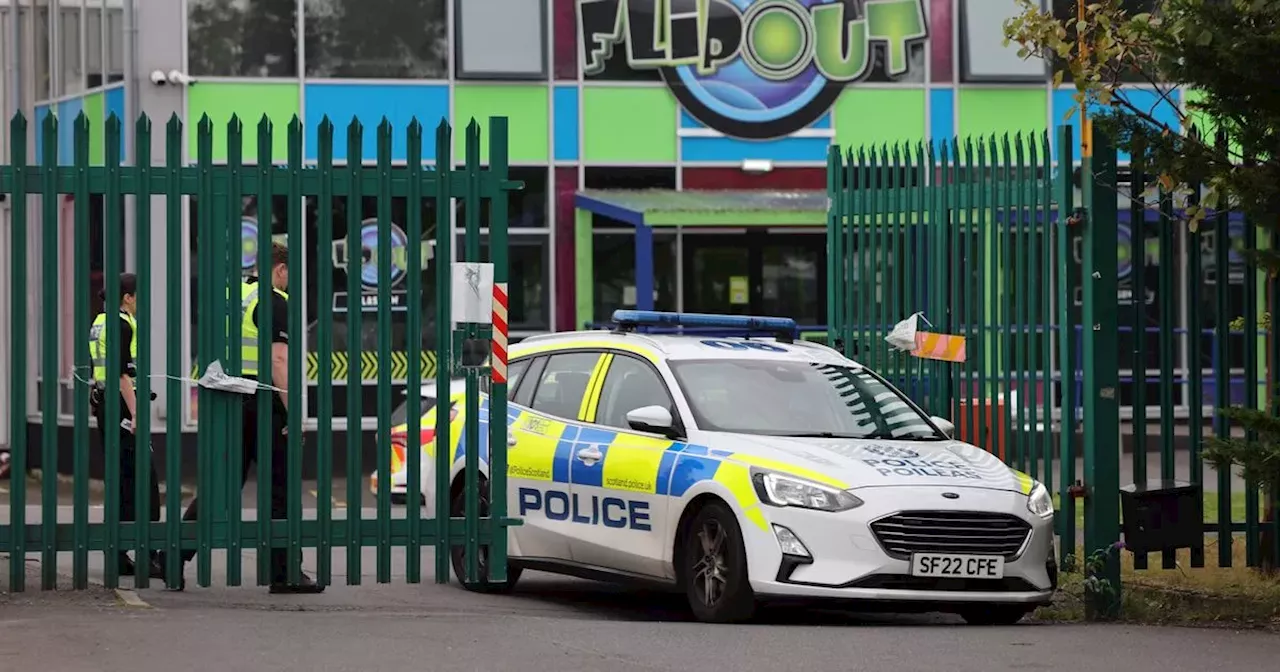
[549, 623]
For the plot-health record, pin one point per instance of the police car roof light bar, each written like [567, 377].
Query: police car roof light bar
[782, 328]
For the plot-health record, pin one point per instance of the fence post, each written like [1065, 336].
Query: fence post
[498, 168]
[1101, 381]
[1068, 276]
[837, 282]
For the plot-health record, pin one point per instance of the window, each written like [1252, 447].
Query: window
[629, 384]
[523, 394]
[788, 398]
[363, 264]
[246, 38]
[564, 384]
[44, 75]
[526, 208]
[613, 264]
[514, 373]
[391, 39]
[113, 53]
[511, 48]
[72, 75]
[93, 44]
[983, 56]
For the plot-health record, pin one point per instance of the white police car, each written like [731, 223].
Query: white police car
[746, 469]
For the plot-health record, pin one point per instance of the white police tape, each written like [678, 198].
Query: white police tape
[214, 378]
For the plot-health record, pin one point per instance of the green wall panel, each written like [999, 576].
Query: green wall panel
[628, 124]
[1000, 111]
[525, 106]
[1207, 125]
[876, 116]
[250, 101]
[94, 106]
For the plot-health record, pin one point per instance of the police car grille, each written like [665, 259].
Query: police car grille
[963, 532]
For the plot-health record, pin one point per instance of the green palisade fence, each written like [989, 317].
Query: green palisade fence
[33, 525]
[995, 241]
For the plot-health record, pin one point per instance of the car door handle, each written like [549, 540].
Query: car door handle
[511, 440]
[590, 455]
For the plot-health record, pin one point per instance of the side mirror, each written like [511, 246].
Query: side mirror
[653, 419]
[945, 425]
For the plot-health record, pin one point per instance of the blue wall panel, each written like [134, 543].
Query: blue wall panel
[567, 123]
[370, 103]
[1143, 99]
[68, 110]
[942, 111]
[733, 149]
[114, 104]
[42, 111]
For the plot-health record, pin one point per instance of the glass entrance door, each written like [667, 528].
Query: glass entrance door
[756, 273]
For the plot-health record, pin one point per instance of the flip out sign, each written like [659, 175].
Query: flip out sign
[752, 68]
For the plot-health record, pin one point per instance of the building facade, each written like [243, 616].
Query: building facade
[664, 96]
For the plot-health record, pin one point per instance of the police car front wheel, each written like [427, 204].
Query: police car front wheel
[458, 553]
[714, 567]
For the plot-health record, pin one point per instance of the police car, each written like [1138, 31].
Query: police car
[399, 480]
[752, 468]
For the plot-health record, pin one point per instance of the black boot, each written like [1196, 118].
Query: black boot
[127, 568]
[305, 585]
[159, 569]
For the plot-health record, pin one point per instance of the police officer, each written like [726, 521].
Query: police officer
[251, 366]
[127, 333]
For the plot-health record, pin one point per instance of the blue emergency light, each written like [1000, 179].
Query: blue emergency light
[783, 328]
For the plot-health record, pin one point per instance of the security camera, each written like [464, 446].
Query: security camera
[159, 78]
[183, 78]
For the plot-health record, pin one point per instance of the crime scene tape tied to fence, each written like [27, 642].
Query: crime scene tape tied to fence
[924, 344]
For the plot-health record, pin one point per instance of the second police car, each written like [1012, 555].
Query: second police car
[745, 469]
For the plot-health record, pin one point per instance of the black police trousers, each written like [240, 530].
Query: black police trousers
[279, 447]
[128, 470]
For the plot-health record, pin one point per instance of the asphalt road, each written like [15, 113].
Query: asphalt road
[551, 624]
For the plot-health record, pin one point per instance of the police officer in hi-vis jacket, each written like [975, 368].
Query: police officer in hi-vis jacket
[127, 349]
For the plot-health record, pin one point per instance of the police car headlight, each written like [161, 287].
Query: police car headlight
[1039, 502]
[781, 490]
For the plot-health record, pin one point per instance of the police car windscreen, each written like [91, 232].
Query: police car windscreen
[807, 399]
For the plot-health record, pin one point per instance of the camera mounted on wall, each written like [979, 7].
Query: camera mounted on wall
[176, 77]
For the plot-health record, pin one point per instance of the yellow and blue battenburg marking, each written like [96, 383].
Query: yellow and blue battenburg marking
[629, 462]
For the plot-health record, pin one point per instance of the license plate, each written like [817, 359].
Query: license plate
[957, 566]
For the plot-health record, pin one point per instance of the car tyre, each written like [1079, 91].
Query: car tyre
[714, 567]
[996, 614]
[458, 553]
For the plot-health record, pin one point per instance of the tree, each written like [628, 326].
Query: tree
[1227, 51]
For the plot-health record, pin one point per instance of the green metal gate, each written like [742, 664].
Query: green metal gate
[34, 527]
[1046, 269]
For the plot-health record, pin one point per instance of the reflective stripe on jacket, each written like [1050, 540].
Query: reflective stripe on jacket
[248, 330]
[98, 344]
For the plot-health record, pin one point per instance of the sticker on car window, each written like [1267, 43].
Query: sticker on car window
[743, 345]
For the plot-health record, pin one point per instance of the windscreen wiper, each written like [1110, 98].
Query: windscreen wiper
[874, 436]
